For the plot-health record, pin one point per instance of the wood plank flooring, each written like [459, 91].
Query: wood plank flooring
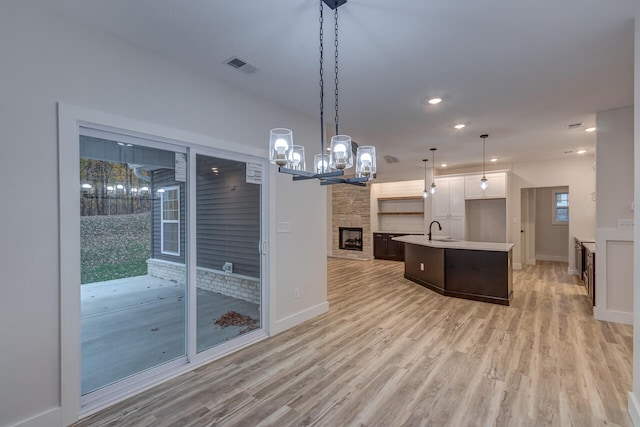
[392, 353]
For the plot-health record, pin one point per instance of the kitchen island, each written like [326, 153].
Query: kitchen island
[480, 271]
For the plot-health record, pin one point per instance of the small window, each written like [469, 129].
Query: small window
[560, 207]
[170, 221]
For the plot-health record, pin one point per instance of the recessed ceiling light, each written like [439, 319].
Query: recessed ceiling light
[590, 129]
[444, 165]
[460, 126]
[581, 151]
[434, 101]
[495, 159]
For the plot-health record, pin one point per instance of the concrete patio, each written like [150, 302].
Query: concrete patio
[133, 324]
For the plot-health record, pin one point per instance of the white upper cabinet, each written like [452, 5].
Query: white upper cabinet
[497, 188]
[449, 198]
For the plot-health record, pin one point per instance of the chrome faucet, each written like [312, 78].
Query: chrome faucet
[439, 228]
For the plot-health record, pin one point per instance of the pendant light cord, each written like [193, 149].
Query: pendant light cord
[321, 88]
[335, 18]
[483, 157]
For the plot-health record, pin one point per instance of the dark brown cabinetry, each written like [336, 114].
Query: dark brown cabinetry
[589, 275]
[384, 247]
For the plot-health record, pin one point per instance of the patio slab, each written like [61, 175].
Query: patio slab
[131, 325]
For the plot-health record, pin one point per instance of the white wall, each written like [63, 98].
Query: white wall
[47, 59]
[614, 160]
[614, 195]
[552, 240]
[575, 172]
[634, 395]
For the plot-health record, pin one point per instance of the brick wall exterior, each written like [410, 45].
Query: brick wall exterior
[229, 284]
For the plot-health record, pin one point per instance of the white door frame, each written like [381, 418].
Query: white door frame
[70, 120]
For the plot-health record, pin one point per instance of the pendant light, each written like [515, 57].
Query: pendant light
[328, 168]
[484, 182]
[433, 180]
[425, 193]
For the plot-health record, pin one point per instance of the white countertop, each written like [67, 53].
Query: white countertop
[591, 247]
[423, 240]
[587, 240]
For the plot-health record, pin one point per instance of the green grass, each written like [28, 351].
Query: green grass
[114, 247]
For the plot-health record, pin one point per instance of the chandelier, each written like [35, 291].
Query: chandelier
[328, 168]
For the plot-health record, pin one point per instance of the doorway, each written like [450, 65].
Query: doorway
[545, 213]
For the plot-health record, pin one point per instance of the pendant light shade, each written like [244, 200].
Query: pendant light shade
[341, 152]
[484, 182]
[432, 189]
[280, 146]
[366, 161]
[425, 193]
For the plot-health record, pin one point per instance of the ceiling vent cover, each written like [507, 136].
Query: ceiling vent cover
[241, 65]
[391, 159]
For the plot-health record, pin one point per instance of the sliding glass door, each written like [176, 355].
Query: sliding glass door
[132, 244]
[228, 261]
[171, 260]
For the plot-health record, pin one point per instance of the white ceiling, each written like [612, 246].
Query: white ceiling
[520, 71]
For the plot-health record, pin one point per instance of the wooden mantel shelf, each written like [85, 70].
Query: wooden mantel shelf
[400, 198]
[400, 213]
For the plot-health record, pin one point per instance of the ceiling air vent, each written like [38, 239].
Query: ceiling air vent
[391, 159]
[575, 125]
[241, 65]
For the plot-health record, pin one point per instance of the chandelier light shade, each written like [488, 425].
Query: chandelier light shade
[321, 163]
[484, 182]
[366, 161]
[341, 152]
[280, 146]
[425, 192]
[328, 168]
[296, 158]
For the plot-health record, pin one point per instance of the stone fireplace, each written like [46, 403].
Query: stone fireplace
[350, 222]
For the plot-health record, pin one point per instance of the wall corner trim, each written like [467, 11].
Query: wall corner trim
[299, 317]
[50, 418]
[633, 408]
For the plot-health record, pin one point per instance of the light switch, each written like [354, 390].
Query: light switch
[284, 227]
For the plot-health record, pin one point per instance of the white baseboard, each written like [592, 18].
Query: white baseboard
[297, 318]
[531, 261]
[517, 266]
[572, 271]
[634, 409]
[50, 418]
[613, 316]
[557, 258]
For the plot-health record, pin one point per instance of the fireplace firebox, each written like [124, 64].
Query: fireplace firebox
[351, 238]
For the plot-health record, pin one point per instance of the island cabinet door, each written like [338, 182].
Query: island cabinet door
[479, 275]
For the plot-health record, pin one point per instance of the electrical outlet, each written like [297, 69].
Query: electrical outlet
[296, 292]
[421, 266]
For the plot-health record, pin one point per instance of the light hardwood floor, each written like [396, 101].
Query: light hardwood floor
[392, 353]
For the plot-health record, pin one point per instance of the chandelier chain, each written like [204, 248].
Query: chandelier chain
[321, 82]
[335, 17]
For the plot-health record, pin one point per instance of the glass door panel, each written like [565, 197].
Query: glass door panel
[228, 269]
[133, 275]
